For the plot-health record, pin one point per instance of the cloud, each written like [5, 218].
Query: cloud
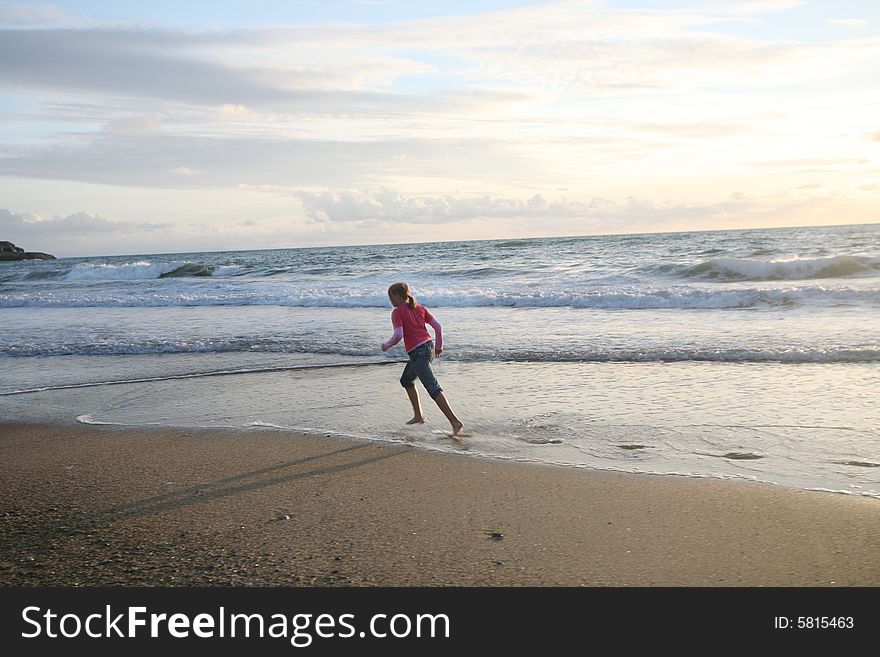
[79, 233]
[124, 63]
[381, 215]
[699, 129]
[184, 67]
[854, 23]
[31, 14]
[85, 233]
[373, 212]
[387, 205]
[230, 112]
[809, 162]
[737, 210]
[585, 48]
[220, 161]
[81, 224]
[761, 6]
[129, 125]
[186, 171]
[557, 48]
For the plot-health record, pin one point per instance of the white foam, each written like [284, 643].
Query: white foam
[227, 270]
[142, 270]
[840, 266]
[86, 271]
[575, 296]
[211, 292]
[88, 419]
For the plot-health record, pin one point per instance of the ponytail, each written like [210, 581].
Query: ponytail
[402, 290]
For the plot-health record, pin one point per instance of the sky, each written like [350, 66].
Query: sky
[166, 127]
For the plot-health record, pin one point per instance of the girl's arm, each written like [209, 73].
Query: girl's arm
[394, 339]
[438, 335]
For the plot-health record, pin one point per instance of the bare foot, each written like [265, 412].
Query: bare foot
[417, 420]
[458, 431]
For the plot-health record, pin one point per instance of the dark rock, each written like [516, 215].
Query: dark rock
[9, 252]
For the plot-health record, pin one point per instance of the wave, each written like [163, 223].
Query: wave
[189, 269]
[300, 296]
[141, 270]
[780, 354]
[745, 269]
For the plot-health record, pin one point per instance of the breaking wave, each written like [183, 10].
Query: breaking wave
[253, 293]
[556, 354]
[745, 269]
[143, 270]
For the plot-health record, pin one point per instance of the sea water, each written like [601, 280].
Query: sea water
[734, 354]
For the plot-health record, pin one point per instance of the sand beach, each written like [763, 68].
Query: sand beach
[92, 505]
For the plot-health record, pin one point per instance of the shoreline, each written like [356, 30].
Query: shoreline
[95, 505]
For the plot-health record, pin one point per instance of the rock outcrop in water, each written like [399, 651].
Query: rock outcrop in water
[8, 251]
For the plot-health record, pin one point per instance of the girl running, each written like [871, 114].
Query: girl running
[408, 319]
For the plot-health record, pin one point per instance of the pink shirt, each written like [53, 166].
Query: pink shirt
[412, 323]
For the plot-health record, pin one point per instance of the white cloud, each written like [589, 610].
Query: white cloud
[389, 205]
[535, 214]
[559, 48]
[760, 6]
[130, 125]
[854, 23]
[226, 161]
[230, 112]
[186, 171]
[76, 234]
[31, 14]
[80, 224]
[384, 215]
[383, 212]
[85, 233]
[799, 164]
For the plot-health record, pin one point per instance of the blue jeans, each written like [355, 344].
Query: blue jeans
[419, 365]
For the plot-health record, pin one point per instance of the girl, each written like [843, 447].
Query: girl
[408, 319]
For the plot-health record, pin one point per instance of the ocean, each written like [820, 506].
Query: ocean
[749, 354]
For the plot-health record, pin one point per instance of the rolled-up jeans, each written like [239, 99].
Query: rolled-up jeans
[419, 365]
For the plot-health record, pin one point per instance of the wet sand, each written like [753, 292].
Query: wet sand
[95, 505]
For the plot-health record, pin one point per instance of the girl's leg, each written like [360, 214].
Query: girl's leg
[421, 361]
[407, 380]
[457, 426]
[418, 416]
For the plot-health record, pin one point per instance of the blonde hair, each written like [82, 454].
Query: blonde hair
[402, 290]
